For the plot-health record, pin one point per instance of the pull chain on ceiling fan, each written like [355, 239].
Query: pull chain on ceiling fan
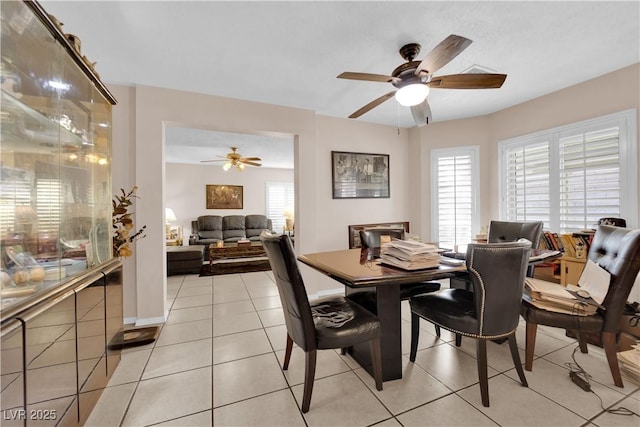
[235, 159]
[413, 79]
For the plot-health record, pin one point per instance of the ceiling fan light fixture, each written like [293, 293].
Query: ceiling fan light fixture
[412, 94]
[241, 166]
[226, 166]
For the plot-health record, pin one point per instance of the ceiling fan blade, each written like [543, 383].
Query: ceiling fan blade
[468, 81]
[421, 113]
[251, 158]
[217, 160]
[373, 104]
[366, 77]
[448, 49]
[250, 163]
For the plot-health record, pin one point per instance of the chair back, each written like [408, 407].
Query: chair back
[497, 272]
[370, 237]
[617, 250]
[506, 231]
[293, 295]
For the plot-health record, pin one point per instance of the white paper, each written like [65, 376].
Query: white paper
[595, 280]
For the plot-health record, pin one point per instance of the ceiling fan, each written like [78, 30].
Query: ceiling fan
[413, 79]
[235, 159]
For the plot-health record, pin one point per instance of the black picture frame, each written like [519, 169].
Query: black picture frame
[359, 175]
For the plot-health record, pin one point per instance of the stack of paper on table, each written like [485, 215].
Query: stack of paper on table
[554, 297]
[410, 255]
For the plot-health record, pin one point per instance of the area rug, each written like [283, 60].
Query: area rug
[237, 266]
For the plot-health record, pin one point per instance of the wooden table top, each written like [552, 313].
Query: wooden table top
[357, 268]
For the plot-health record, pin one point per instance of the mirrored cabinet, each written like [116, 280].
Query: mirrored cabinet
[55, 198]
[61, 287]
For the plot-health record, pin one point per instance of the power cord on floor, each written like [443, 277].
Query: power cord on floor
[581, 378]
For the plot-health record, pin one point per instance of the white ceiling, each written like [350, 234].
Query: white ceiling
[289, 53]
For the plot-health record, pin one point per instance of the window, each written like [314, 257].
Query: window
[571, 176]
[454, 212]
[280, 198]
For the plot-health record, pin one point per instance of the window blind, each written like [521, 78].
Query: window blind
[454, 191]
[589, 183]
[280, 197]
[570, 177]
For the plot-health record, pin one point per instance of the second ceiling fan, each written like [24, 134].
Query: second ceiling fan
[235, 159]
[413, 79]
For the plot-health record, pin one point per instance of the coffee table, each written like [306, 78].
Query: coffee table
[234, 250]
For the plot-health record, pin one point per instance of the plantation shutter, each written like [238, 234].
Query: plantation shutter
[280, 197]
[526, 195]
[589, 178]
[454, 187]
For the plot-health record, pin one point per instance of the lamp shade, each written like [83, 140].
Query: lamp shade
[412, 94]
[170, 216]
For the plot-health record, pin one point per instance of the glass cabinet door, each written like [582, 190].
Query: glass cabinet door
[55, 194]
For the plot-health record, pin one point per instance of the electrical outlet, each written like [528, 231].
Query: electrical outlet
[579, 381]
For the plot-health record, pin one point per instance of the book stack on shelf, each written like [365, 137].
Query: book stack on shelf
[409, 255]
[575, 245]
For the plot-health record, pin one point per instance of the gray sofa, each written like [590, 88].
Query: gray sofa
[209, 229]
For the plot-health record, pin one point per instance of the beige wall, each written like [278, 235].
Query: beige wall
[321, 222]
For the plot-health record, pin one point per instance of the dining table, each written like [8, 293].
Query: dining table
[376, 286]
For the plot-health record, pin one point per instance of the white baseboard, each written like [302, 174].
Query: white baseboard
[144, 322]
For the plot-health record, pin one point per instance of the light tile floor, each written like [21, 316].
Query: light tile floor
[217, 362]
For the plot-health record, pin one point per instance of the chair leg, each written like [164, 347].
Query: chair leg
[287, 353]
[415, 333]
[309, 374]
[481, 355]
[609, 344]
[530, 345]
[437, 330]
[515, 355]
[582, 342]
[376, 360]
[458, 340]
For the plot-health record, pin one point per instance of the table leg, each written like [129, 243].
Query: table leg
[384, 301]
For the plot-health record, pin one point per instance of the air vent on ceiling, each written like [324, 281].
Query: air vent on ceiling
[478, 69]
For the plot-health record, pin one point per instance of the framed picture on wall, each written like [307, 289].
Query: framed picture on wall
[359, 175]
[224, 197]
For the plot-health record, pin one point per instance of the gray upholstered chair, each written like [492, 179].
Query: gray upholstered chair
[370, 239]
[617, 250]
[491, 311]
[328, 323]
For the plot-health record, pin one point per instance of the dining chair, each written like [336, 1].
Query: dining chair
[490, 311]
[370, 239]
[327, 323]
[617, 250]
[504, 232]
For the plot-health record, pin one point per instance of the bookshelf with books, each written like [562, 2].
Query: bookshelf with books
[568, 268]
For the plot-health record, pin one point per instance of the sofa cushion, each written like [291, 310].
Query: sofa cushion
[233, 228]
[210, 227]
[255, 224]
[214, 235]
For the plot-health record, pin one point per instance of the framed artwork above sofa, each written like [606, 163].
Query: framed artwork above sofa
[224, 196]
